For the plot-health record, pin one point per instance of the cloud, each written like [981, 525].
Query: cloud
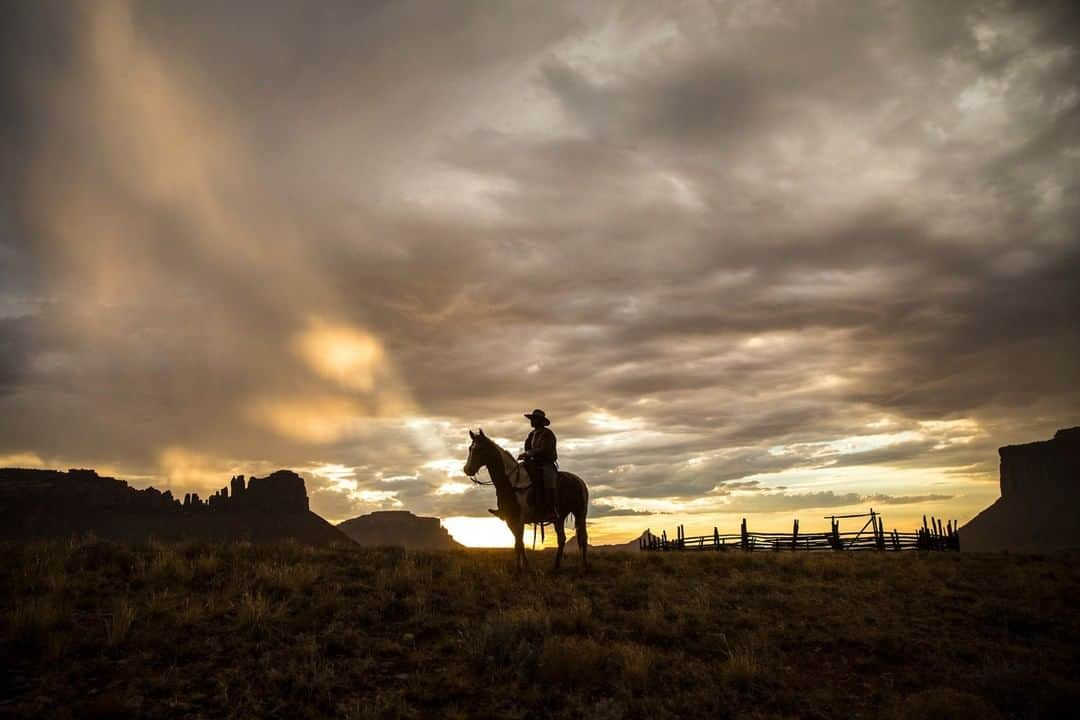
[905, 499]
[608, 511]
[344, 238]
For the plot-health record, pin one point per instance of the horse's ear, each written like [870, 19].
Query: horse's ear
[482, 433]
[472, 434]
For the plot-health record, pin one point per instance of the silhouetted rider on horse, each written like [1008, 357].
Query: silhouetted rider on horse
[540, 457]
[533, 491]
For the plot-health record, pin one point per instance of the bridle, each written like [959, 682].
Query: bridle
[480, 482]
[477, 481]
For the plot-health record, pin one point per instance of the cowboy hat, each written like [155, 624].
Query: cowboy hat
[538, 414]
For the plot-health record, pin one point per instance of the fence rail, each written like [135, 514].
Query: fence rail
[933, 535]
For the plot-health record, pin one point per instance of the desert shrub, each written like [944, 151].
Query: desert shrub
[574, 662]
[629, 593]
[108, 559]
[254, 612]
[31, 622]
[943, 703]
[632, 665]
[284, 579]
[508, 639]
[167, 567]
[575, 618]
[655, 625]
[743, 666]
[206, 570]
[586, 663]
[192, 550]
[119, 621]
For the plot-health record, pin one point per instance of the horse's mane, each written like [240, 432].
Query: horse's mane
[509, 461]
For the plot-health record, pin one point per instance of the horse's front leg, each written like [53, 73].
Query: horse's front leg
[560, 534]
[521, 561]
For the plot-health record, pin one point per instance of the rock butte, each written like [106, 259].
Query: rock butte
[1039, 507]
[399, 527]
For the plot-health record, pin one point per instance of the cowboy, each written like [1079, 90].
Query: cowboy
[540, 452]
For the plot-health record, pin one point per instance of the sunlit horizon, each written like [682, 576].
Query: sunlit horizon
[479, 532]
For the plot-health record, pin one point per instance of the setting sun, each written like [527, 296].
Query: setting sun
[479, 532]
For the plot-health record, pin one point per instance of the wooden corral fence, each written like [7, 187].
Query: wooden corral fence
[933, 535]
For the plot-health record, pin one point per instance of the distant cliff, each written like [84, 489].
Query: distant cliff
[1039, 507]
[51, 503]
[399, 527]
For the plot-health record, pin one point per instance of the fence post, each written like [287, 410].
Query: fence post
[795, 534]
[745, 537]
[716, 537]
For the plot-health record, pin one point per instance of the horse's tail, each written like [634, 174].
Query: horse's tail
[579, 519]
[580, 531]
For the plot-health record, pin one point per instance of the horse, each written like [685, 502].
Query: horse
[511, 485]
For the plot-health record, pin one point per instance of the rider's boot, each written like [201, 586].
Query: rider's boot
[553, 507]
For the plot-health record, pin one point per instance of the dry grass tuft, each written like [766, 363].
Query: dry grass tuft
[118, 623]
[253, 612]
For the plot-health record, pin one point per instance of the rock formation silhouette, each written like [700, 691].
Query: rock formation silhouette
[1039, 507]
[399, 527]
[51, 503]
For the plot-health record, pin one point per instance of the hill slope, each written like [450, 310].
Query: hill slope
[234, 630]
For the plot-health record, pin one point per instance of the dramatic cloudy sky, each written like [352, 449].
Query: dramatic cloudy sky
[770, 259]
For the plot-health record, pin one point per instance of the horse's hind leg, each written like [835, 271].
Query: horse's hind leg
[582, 539]
[560, 534]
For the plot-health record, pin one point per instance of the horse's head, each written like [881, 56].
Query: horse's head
[479, 453]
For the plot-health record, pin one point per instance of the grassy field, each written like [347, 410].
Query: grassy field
[94, 629]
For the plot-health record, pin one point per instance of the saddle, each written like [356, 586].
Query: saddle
[528, 484]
